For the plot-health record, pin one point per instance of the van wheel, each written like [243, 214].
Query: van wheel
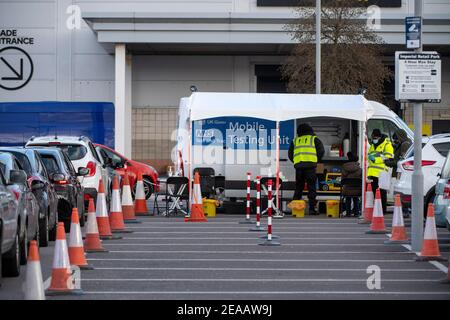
[43, 232]
[11, 260]
[24, 248]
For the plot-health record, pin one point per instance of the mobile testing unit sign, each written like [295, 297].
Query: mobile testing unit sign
[418, 76]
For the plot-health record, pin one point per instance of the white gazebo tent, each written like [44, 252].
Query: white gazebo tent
[281, 107]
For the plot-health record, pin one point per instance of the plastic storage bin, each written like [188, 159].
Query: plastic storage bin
[209, 207]
[332, 209]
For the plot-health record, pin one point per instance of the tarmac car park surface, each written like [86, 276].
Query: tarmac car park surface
[319, 258]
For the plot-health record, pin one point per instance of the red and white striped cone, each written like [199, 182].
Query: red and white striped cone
[430, 246]
[447, 280]
[140, 202]
[62, 282]
[368, 206]
[269, 240]
[34, 285]
[248, 219]
[115, 212]
[92, 243]
[377, 226]
[258, 227]
[129, 215]
[398, 233]
[103, 225]
[76, 248]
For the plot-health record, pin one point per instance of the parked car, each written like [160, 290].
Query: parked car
[28, 206]
[65, 181]
[43, 190]
[123, 164]
[442, 198]
[434, 152]
[9, 230]
[81, 153]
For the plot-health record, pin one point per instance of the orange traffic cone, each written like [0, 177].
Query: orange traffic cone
[197, 214]
[398, 233]
[62, 282]
[377, 226]
[447, 280]
[140, 203]
[76, 249]
[115, 214]
[103, 225]
[92, 243]
[368, 206]
[430, 246]
[127, 202]
[34, 285]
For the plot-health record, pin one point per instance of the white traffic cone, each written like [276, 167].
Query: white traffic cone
[62, 282]
[34, 285]
[103, 225]
[76, 248]
[129, 215]
[92, 243]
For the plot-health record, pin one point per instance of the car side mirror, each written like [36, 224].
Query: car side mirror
[56, 177]
[17, 177]
[37, 185]
[82, 171]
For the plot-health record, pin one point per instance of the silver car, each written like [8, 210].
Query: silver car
[442, 199]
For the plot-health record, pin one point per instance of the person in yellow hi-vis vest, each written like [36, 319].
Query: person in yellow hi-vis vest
[305, 151]
[380, 150]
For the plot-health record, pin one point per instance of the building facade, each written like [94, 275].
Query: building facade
[145, 55]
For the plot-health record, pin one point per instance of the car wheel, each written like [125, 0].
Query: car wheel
[52, 232]
[82, 217]
[448, 225]
[11, 260]
[24, 248]
[44, 232]
[148, 188]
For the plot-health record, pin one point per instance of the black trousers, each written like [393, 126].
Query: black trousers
[383, 193]
[307, 175]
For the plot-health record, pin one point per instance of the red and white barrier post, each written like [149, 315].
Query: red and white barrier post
[247, 211]
[269, 240]
[258, 206]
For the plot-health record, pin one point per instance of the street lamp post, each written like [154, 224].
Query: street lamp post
[318, 49]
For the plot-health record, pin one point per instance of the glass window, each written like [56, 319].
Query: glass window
[386, 127]
[442, 148]
[50, 163]
[446, 168]
[2, 167]
[94, 152]
[69, 165]
[113, 156]
[24, 162]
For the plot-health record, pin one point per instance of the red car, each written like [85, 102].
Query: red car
[122, 165]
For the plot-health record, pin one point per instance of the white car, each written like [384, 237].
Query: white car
[82, 153]
[434, 152]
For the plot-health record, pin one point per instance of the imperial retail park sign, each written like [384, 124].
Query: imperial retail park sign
[418, 76]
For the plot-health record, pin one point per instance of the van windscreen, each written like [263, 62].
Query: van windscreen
[74, 151]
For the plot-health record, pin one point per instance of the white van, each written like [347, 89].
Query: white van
[237, 161]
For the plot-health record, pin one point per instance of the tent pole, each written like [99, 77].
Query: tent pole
[363, 157]
[190, 162]
[278, 165]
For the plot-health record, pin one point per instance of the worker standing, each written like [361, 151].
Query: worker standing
[305, 151]
[380, 151]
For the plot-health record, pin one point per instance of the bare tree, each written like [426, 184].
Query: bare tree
[351, 52]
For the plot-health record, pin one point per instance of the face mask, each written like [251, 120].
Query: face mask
[375, 140]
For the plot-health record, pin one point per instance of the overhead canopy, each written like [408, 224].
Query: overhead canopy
[278, 107]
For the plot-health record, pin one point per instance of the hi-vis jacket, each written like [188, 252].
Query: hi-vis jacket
[382, 151]
[305, 149]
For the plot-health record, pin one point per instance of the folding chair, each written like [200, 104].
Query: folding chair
[276, 211]
[350, 187]
[175, 191]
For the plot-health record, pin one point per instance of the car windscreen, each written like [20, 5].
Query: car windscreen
[74, 151]
[446, 168]
[50, 163]
[24, 162]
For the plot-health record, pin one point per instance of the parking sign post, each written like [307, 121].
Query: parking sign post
[417, 178]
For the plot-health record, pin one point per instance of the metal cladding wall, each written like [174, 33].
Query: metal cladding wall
[19, 121]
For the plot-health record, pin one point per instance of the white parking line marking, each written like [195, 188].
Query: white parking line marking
[247, 238]
[242, 244]
[437, 264]
[236, 232]
[256, 269]
[248, 260]
[259, 280]
[261, 252]
[370, 292]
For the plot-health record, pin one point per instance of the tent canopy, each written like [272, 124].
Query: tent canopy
[278, 107]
